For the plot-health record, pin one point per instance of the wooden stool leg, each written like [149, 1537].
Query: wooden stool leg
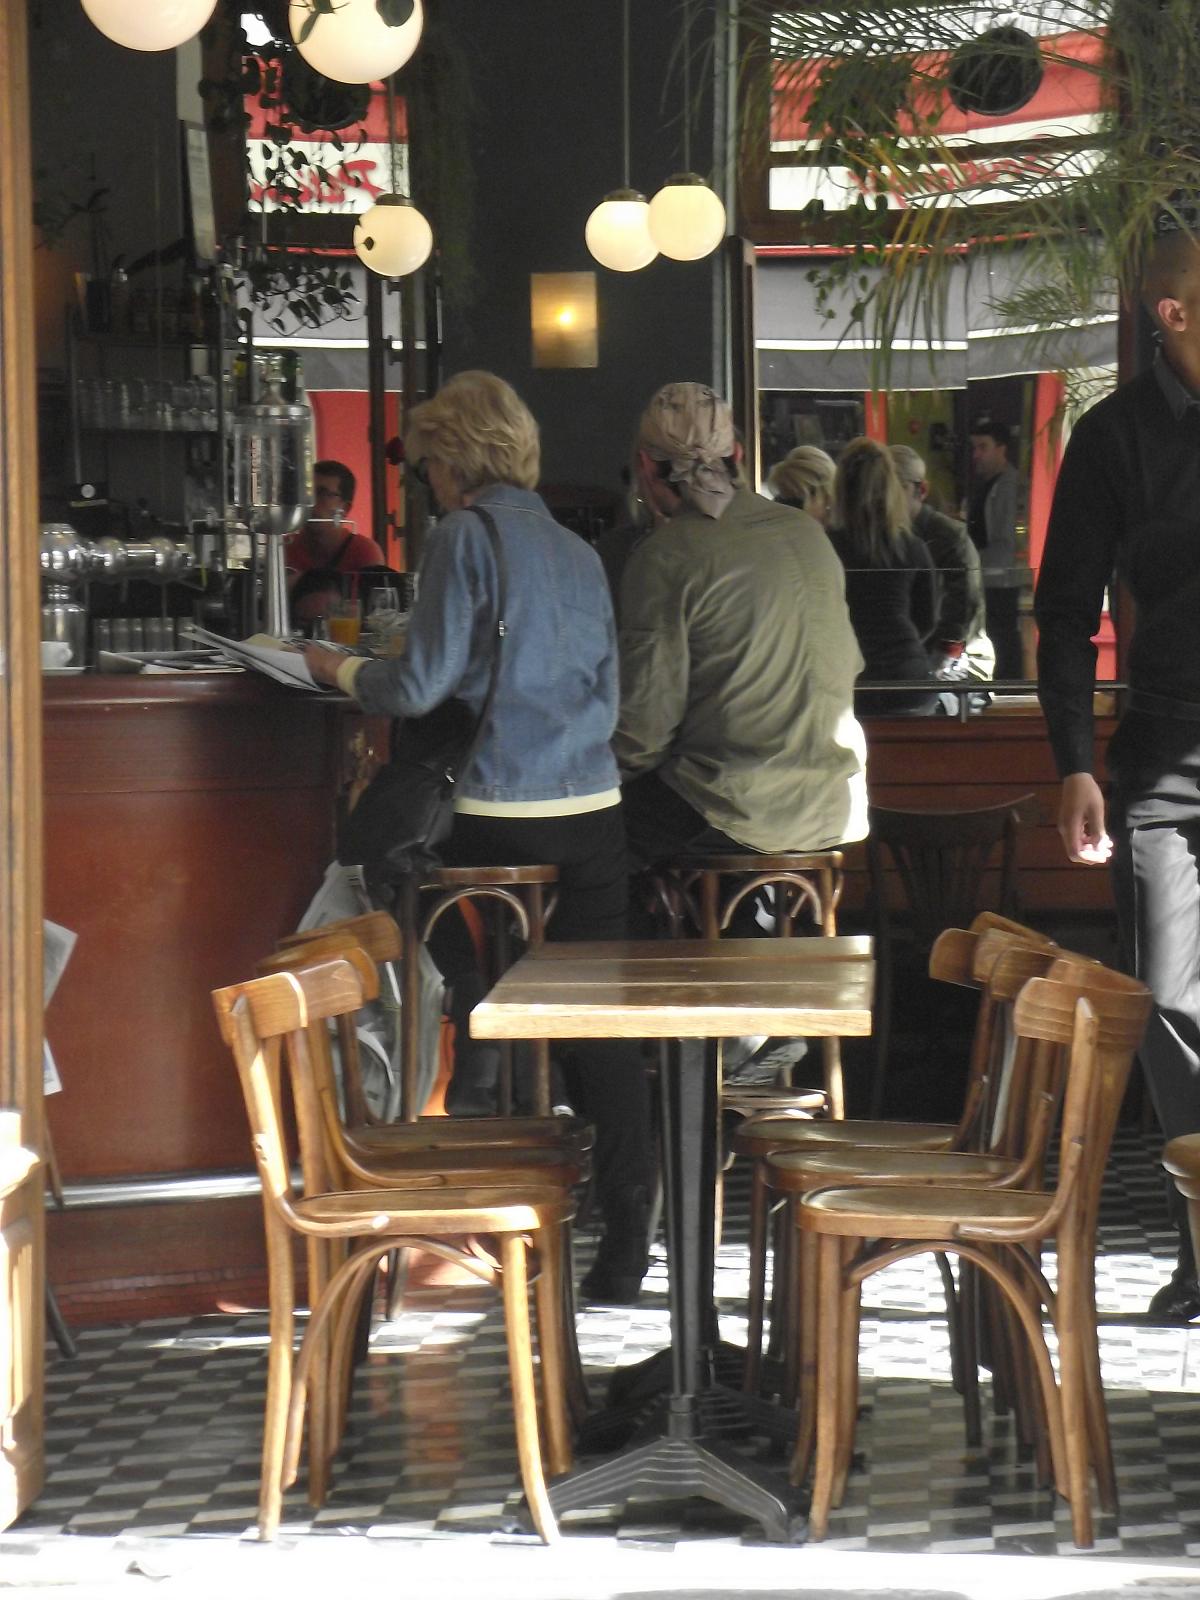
[410, 1008]
[281, 1334]
[520, 1371]
[759, 1200]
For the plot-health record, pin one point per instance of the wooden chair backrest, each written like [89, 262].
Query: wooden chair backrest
[256, 1020]
[1118, 1008]
[970, 959]
[941, 858]
[374, 931]
[995, 922]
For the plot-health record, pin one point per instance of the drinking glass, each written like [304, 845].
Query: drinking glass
[345, 622]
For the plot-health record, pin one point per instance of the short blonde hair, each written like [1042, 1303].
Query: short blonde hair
[802, 472]
[480, 429]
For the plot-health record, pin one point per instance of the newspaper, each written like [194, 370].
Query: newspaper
[57, 944]
[279, 660]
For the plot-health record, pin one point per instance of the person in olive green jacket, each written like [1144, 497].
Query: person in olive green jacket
[738, 658]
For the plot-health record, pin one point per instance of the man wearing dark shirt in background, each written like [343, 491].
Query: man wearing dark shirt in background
[1128, 498]
[993, 508]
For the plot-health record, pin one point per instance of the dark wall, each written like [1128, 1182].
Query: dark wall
[546, 140]
[103, 117]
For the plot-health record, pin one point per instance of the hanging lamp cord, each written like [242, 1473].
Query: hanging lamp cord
[391, 116]
[625, 87]
[687, 85]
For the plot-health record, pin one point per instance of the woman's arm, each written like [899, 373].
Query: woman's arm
[438, 647]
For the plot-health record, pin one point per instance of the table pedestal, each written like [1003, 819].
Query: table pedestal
[690, 1459]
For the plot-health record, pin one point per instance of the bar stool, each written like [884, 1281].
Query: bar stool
[705, 892]
[518, 895]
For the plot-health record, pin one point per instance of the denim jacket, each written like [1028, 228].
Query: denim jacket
[556, 699]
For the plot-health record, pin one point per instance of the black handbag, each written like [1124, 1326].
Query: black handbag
[407, 809]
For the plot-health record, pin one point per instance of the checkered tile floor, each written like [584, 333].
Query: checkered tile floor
[154, 1429]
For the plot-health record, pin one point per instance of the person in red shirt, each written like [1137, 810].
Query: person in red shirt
[324, 541]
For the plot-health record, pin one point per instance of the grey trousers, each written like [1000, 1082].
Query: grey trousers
[1155, 825]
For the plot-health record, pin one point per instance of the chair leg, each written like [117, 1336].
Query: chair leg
[802, 1380]
[829, 1365]
[848, 1332]
[759, 1192]
[578, 1400]
[548, 1297]
[1073, 1390]
[282, 1329]
[520, 1371]
[968, 1333]
[835, 1088]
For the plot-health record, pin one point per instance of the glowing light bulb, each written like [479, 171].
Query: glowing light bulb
[687, 219]
[618, 232]
[149, 24]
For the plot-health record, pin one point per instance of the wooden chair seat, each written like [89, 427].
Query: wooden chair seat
[432, 1210]
[796, 1172]
[762, 1136]
[926, 1211]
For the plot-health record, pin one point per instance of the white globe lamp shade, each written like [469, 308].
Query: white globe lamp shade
[352, 43]
[687, 220]
[149, 24]
[618, 233]
[392, 238]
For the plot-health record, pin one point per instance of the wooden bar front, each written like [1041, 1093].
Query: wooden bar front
[188, 823]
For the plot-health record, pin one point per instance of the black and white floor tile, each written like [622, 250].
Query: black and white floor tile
[153, 1431]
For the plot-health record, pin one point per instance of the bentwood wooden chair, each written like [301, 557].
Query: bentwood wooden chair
[701, 896]
[1098, 1017]
[995, 963]
[381, 937]
[338, 1155]
[492, 1233]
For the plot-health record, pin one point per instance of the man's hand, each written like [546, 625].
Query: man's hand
[1081, 820]
[323, 664]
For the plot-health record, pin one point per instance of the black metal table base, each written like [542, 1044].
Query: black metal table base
[679, 1469]
[698, 1412]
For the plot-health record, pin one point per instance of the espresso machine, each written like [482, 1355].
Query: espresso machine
[69, 564]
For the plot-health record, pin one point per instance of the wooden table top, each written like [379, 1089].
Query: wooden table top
[690, 988]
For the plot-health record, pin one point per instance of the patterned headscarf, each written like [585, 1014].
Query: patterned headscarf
[690, 426]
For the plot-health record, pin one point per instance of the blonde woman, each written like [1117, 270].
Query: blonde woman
[891, 587]
[804, 479]
[542, 786]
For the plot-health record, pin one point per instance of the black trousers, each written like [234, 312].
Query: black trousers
[1155, 825]
[606, 1079]
[1004, 630]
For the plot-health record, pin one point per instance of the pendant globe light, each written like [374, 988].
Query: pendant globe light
[149, 24]
[618, 233]
[687, 218]
[392, 238]
[353, 41]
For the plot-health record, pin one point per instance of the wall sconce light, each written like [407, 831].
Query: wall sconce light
[146, 25]
[562, 319]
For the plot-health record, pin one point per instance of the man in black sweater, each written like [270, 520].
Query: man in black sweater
[1128, 500]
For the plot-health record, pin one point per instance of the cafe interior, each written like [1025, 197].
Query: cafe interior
[260, 1288]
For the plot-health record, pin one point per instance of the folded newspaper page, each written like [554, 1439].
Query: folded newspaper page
[279, 660]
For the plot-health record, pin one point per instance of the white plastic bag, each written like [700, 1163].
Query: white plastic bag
[342, 894]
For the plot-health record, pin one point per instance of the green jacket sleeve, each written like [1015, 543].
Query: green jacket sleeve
[654, 660]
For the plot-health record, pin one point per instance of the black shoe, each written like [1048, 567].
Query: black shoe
[607, 1286]
[1178, 1300]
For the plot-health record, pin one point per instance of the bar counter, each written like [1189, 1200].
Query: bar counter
[188, 822]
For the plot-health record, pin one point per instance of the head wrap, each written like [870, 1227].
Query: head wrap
[690, 426]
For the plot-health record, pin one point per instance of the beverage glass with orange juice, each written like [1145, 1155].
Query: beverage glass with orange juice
[345, 622]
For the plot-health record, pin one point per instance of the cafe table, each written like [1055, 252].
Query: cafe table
[689, 994]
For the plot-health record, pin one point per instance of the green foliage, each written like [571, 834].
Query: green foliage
[1080, 211]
